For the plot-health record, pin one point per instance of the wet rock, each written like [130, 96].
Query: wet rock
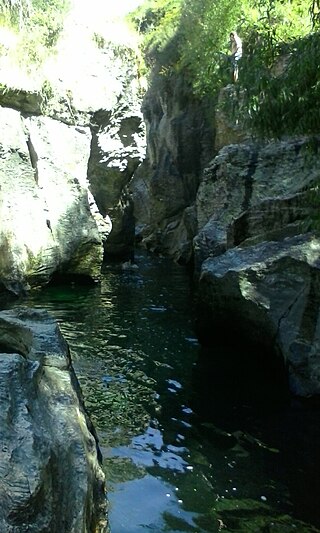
[50, 476]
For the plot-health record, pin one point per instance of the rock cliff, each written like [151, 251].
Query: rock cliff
[51, 479]
[180, 134]
[242, 220]
[46, 224]
[69, 147]
[258, 264]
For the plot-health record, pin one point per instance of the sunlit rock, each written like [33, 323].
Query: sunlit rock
[91, 87]
[50, 475]
[117, 149]
[103, 93]
[45, 218]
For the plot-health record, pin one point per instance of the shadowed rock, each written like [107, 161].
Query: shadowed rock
[268, 295]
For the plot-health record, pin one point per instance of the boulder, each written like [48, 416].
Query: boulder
[51, 478]
[45, 218]
[268, 295]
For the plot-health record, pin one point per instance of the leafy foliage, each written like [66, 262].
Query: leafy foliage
[14, 12]
[47, 16]
[265, 26]
[205, 28]
[288, 102]
[157, 21]
[279, 74]
[37, 24]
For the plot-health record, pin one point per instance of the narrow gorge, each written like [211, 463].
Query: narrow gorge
[98, 174]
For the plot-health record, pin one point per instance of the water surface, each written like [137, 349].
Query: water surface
[180, 452]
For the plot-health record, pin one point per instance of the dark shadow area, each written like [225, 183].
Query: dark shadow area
[6, 348]
[241, 397]
[241, 375]
[6, 297]
[60, 278]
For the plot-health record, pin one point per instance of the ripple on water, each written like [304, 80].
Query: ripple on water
[168, 467]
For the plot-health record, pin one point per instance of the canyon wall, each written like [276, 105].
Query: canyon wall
[243, 221]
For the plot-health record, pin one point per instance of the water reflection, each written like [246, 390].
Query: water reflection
[177, 455]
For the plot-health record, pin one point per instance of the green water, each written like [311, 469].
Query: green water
[182, 451]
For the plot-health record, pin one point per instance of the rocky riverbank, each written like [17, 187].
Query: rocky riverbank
[51, 478]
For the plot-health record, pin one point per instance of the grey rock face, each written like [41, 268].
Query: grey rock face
[258, 266]
[45, 218]
[117, 149]
[118, 143]
[252, 193]
[269, 295]
[179, 144]
[50, 476]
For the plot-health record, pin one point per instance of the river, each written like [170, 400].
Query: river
[180, 452]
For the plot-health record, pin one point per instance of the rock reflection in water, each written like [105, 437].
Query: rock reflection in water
[173, 463]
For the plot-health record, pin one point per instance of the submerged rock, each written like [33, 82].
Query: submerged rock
[50, 476]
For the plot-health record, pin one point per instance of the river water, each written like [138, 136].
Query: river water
[182, 452]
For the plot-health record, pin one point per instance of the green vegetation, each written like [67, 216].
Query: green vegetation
[279, 72]
[33, 26]
[156, 21]
[288, 103]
